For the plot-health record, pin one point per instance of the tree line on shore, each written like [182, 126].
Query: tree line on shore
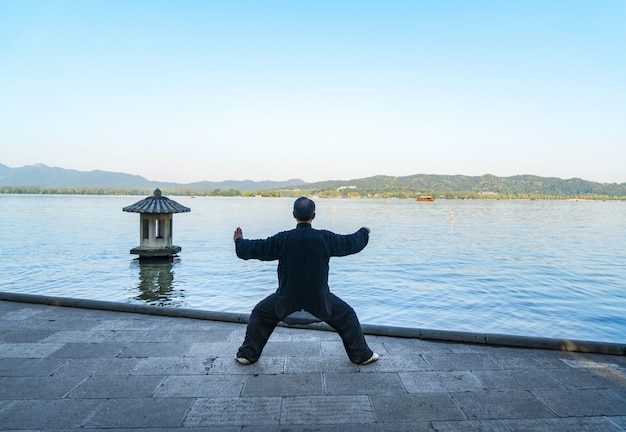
[322, 192]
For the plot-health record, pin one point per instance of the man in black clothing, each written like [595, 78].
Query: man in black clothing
[303, 256]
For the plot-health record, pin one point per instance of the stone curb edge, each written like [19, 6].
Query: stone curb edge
[607, 348]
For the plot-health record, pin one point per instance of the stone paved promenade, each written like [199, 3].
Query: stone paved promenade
[65, 368]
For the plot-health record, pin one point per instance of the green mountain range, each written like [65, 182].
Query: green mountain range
[35, 178]
[485, 186]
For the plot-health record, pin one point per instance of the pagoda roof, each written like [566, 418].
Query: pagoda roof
[156, 203]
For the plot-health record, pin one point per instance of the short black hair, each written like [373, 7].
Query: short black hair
[303, 209]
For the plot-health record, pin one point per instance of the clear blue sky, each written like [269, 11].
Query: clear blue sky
[213, 90]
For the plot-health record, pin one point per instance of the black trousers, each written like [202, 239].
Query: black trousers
[342, 318]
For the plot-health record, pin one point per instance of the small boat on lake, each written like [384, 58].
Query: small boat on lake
[425, 198]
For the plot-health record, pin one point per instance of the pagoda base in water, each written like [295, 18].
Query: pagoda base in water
[156, 252]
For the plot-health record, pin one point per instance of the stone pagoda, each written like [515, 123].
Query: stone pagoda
[155, 225]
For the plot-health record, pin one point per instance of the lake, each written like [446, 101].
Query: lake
[535, 268]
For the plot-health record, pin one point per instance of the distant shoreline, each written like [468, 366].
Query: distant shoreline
[330, 193]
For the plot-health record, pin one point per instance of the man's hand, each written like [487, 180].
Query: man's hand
[238, 234]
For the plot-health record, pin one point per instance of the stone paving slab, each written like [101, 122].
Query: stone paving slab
[149, 412]
[318, 410]
[64, 369]
[47, 414]
[580, 424]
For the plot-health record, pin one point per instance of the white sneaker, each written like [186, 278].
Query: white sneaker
[244, 361]
[372, 359]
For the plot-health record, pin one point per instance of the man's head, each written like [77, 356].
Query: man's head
[304, 209]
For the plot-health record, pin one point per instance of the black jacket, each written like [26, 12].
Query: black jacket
[303, 256]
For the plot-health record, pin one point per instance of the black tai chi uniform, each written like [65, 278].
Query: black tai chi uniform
[303, 256]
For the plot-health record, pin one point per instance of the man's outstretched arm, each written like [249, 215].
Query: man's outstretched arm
[342, 245]
[264, 250]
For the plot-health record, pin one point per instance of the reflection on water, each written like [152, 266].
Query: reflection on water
[156, 281]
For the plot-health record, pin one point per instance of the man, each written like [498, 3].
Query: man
[303, 256]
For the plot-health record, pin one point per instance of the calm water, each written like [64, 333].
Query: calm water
[539, 268]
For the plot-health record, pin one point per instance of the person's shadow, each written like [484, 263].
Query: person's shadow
[300, 317]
